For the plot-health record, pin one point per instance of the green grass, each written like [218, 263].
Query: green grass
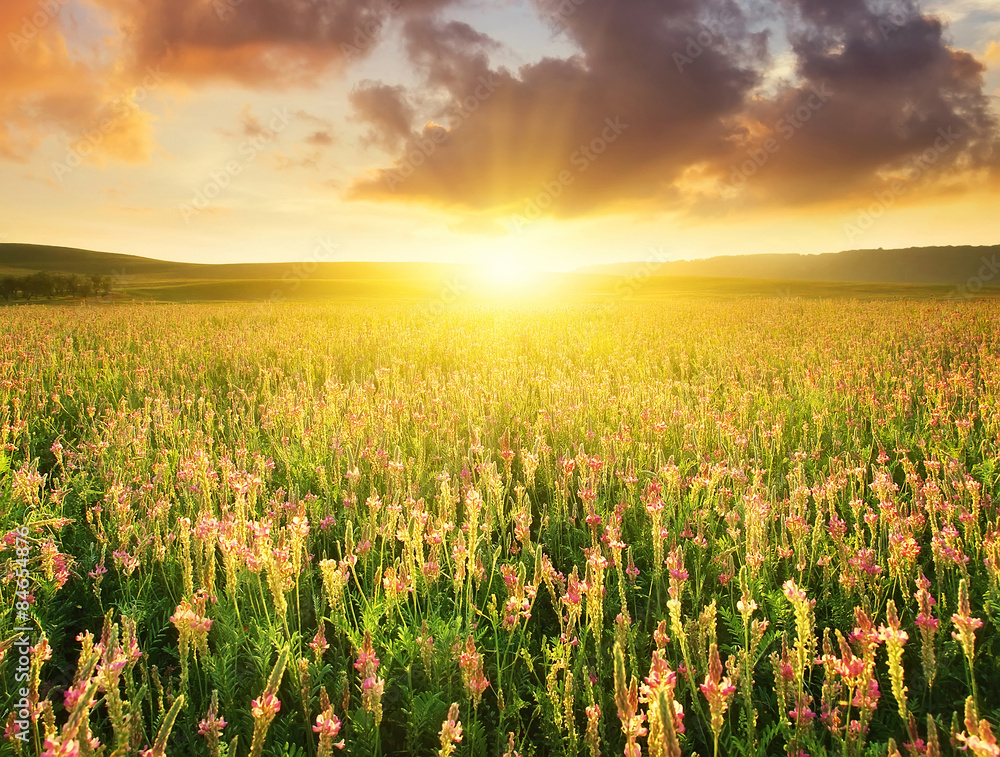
[723, 445]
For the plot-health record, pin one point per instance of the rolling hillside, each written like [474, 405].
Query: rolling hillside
[27, 258]
[920, 265]
[920, 273]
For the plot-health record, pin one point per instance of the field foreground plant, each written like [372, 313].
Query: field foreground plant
[664, 528]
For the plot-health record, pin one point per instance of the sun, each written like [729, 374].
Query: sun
[506, 272]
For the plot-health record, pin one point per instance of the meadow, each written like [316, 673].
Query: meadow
[650, 527]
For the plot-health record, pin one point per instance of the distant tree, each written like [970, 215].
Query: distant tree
[9, 287]
[83, 286]
[33, 286]
[62, 284]
[49, 285]
[72, 286]
[46, 283]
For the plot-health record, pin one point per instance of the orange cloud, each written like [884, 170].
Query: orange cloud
[92, 98]
[992, 54]
[46, 90]
[256, 43]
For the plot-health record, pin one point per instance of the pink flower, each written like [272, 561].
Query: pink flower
[717, 689]
[328, 726]
[267, 706]
[470, 662]
[366, 659]
[319, 644]
[99, 570]
[205, 727]
[59, 748]
[451, 732]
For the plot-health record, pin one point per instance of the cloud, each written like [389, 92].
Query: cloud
[46, 89]
[877, 90]
[992, 54]
[659, 110]
[508, 133]
[256, 43]
[250, 125]
[321, 138]
[322, 135]
[386, 109]
[873, 87]
[309, 160]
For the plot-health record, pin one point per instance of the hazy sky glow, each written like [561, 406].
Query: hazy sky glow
[558, 132]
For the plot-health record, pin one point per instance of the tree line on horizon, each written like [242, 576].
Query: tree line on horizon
[48, 285]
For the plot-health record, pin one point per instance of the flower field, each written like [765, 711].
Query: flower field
[752, 527]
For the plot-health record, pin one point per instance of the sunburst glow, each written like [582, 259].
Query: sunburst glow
[507, 272]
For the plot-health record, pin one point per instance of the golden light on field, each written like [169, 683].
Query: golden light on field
[507, 273]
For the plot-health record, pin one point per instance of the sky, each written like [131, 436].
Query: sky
[543, 133]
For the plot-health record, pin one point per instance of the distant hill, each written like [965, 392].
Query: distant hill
[929, 272]
[916, 265]
[27, 258]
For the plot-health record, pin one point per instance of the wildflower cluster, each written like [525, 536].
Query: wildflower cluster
[658, 528]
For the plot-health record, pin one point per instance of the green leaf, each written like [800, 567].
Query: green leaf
[292, 750]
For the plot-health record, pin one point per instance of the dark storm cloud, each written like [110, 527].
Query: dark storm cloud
[892, 89]
[874, 86]
[531, 125]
